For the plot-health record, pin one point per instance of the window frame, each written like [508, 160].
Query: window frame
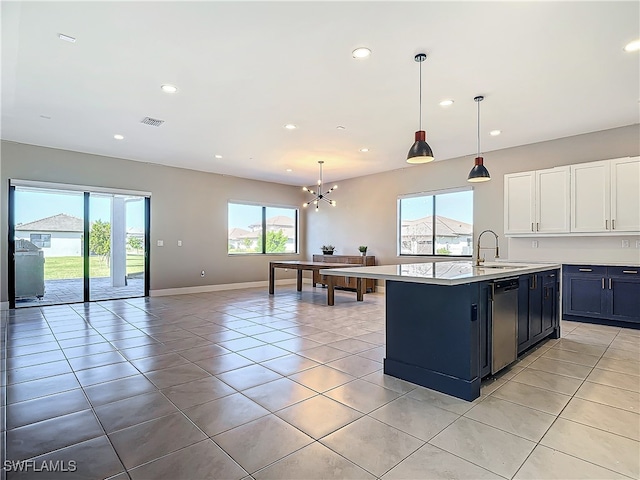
[264, 207]
[434, 194]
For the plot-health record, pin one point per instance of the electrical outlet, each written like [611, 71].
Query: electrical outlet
[534, 244]
[625, 243]
[179, 243]
[202, 274]
[160, 243]
[637, 243]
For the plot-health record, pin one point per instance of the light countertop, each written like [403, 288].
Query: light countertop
[443, 273]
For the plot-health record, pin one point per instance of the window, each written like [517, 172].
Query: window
[42, 240]
[261, 229]
[436, 223]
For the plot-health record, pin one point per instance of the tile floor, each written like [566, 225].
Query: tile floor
[238, 384]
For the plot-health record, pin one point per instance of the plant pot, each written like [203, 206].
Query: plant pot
[327, 252]
[364, 254]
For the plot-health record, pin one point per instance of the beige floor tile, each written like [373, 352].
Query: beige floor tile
[279, 394]
[290, 364]
[621, 354]
[580, 347]
[623, 366]
[431, 462]
[324, 354]
[631, 345]
[362, 396]
[131, 411]
[547, 464]
[591, 337]
[490, 385]
[441, 400]
[321, 378]
[614, 397]
[485, 446]
[610, 419]
[561, 368]
[387, 381]
[548, 381]
[199, 461]
[171, 376]
[533, 397]
[572, 357]
[414, 417]
[261, 442]
[159, 437]
[605, 449]
[319, 416]
[511, 417]
[355, 365]
[372, 445]
[615, 379]
[225, 413]
[197, 392]
[247, 377]
[313, 462]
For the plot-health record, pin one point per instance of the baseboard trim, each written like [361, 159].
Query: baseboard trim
[216, 288]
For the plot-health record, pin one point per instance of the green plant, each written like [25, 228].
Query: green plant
[328, 248]
[443, 251]
[100, 239]
[362, 248]
[276, 242]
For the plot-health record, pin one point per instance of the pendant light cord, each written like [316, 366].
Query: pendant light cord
[479, 150]
[420, 109]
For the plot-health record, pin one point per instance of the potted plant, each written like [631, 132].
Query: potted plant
[328, 249]
[363, 250]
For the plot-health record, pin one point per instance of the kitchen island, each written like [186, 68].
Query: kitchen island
[442, 324]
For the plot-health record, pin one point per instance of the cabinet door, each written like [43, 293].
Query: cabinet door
[523, 312]
[549, 295]
[552, 200]
[625, 194]
[590, 197]
[519, 193]
[535, 305]
[584, 295]
[624, 298]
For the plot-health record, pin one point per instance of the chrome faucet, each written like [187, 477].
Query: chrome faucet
[478, 259]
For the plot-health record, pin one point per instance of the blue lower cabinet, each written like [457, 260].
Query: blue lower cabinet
[598, 292]
[537, 308]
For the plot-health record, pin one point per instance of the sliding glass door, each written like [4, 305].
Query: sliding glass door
[71, 246]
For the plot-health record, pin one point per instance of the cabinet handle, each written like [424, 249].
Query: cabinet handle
[603, 283]
[613, 224]
[585, 270]
[629, 271]
[606, 224]
[532, 226]
[537, 226]
[610, 282]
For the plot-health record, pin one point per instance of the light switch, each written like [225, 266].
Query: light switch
[534, 244]
[160, 243]
[625, 243]
[179, 243]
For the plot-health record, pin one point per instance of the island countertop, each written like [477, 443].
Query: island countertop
[443, 273]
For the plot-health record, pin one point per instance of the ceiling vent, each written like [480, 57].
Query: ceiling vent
[154, 122]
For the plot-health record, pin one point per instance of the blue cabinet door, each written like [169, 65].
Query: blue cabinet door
[584, 295]
[624, 298]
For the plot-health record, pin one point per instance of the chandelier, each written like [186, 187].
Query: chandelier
[319, 196]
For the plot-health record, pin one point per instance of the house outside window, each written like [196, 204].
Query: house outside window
[42, 240]
[260, 229]
[436, 223]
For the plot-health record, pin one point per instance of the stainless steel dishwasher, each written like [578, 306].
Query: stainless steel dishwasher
[504, 323]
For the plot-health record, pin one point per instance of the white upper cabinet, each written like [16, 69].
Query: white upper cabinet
[590, 197]
[552, 200]
[519, 209]
[625, 194]
[537, 202]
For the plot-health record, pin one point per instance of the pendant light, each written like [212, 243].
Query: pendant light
[420, 151]
[318, 194]
[479, 172]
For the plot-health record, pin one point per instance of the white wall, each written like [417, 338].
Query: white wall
[63, 244]
[366, 212]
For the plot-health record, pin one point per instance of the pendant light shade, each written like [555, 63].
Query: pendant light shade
[420, 151]
[479, 172]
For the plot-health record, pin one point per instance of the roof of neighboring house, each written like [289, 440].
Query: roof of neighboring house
[235, 233]
[277, 221]
[57, 223]
[445, 227]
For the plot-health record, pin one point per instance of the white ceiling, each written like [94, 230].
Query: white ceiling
[547, 70]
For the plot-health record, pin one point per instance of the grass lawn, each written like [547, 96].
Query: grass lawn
[56, 268]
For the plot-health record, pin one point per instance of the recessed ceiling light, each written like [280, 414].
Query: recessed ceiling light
[446, 103]
[289, 170]
[364, 150]
[632, 46]
[361, 52]
[66, 38]
[495, 133]
[218, 156]
[117, 136]
[169, 88]
[290, 126]
[341, 127]
[46, 117]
